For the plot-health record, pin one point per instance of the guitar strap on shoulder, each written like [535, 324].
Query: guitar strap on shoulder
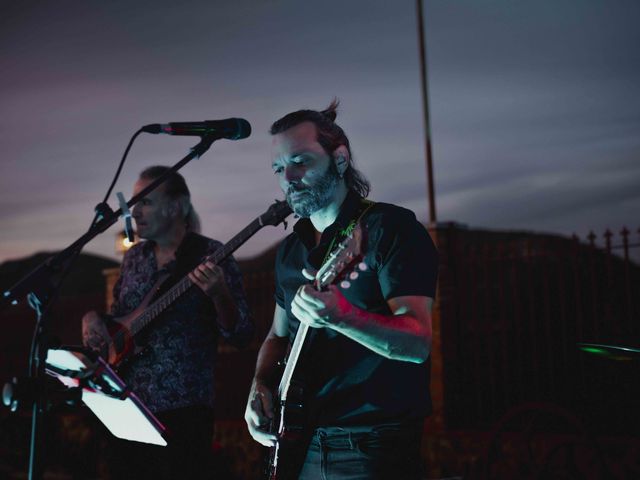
[191, 252]
[363, 208]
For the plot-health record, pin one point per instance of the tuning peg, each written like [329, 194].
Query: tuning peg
[363, 267]
[354, 275]
[345, 284]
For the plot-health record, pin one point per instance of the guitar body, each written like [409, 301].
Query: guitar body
[125, 331]
[290, 426]
[123, 346]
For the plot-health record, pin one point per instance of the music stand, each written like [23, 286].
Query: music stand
[106, 395]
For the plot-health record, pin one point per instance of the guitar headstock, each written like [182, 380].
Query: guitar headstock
[276, 213]
[343, 258]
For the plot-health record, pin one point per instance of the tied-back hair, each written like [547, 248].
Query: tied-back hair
[330, 136]
[176, 188]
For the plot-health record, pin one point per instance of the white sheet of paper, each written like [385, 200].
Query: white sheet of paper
[124, 418]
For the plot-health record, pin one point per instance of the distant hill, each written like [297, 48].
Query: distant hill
[84, 278]
[86, 274]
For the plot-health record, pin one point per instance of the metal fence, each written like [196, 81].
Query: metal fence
[516, 311]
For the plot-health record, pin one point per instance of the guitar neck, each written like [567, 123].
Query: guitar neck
[292, 360]
[175, 292]
[344, 255]
[294, 355]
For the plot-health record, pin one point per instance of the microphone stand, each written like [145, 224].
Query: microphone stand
[41, 288]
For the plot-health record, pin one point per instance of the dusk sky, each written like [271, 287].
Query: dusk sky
[535, 107]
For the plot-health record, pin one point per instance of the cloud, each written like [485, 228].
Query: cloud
[533, 106]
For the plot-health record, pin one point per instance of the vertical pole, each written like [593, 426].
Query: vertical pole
[37, 374]
[425, 109]
[627, 325]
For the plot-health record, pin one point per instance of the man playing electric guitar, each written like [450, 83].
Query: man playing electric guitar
[174, 374]
[366, 366]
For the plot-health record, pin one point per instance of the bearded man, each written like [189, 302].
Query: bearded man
[366, 364]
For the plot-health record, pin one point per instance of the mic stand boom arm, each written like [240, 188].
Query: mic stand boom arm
[40, 286]
[30, 282]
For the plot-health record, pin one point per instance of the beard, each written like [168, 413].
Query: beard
[309, 199]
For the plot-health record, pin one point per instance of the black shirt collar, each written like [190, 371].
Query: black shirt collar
[305, 230]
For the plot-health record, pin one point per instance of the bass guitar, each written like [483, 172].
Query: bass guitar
[122, 347]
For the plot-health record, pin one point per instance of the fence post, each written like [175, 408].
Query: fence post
[445, 236]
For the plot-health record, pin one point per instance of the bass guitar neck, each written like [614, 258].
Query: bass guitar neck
[121, 347]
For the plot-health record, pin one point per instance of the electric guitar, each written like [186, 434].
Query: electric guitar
[289, 424]
[122, 347]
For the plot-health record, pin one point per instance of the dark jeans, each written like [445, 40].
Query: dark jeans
[373, 453]
[187, 455]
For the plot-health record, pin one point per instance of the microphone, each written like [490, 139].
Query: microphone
[126, 214]
[231, 128]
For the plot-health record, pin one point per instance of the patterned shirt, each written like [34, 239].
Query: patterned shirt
[177, 367]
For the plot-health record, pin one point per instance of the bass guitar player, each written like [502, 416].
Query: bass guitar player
[174, 377]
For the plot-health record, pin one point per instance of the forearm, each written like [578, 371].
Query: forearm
[259, 411]
[272, 352]
[401, 336]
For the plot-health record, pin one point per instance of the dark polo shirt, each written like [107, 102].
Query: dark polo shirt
[347, 383]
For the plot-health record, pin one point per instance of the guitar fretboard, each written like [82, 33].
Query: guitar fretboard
[175, 292]
[292, 360]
